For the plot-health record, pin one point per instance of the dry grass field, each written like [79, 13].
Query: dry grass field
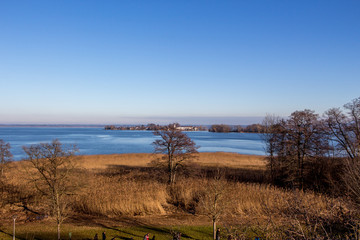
[222, 159]
[127, 191]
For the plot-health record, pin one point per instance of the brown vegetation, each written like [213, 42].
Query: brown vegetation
[117, 188]
[221, 159]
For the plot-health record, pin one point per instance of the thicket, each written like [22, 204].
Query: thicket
[306, 151]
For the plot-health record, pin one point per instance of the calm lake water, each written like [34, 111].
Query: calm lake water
[99, 141]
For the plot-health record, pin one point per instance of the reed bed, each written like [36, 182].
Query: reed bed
[109, 191]
[232, 160]
[114, 186]
[115, 196]
[256, 200]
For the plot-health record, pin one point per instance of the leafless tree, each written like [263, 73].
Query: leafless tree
[177, 148]
[54, 167]
[292, 143]
[306, 139]
[345, 130]
[345, 127]
[271, 125]
[5, 155]
[213, 202]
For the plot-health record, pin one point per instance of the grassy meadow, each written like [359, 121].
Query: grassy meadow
[126, 195]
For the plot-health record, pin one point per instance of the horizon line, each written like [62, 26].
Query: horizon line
[101, 124]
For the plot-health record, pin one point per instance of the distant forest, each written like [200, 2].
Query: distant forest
[253, 128]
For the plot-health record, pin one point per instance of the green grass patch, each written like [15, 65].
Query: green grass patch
[48, 231]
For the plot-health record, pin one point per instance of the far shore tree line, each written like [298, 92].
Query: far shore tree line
[220, 128]
[253, 128]
[157, 127]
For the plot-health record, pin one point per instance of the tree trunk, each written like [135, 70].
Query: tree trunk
[172, 173]
[170, 176]
[173, 176]
[58, 231]
[272, 174]
[58, 215]
[170, 169]
[214, 229]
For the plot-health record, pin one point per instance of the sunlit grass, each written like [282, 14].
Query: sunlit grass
[125, 186]
[144, 159]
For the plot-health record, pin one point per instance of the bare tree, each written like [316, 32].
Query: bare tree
[345, 130]
[213, 202]
[306, 140]
[5, 155]
[54, 166]
[345, 127]
[271, 125]
[294, 143]
[177, 148]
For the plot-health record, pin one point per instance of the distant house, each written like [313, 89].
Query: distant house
[187, 128]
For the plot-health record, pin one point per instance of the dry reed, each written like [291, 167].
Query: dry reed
[113, 192]
[232, 160]
[114, 196]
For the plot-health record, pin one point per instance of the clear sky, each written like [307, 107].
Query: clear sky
[75, 61]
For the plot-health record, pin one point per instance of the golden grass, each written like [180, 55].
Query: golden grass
[116, 196]
[233, 160]
[133, 189]
[255, 200]
[104, 161]
[259, 200]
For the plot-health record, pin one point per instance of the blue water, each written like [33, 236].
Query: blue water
[98, 141]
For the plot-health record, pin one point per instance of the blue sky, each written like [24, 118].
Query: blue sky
[191, 61]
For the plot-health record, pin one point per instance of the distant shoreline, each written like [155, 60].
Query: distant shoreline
[55, 125]
[127, 127]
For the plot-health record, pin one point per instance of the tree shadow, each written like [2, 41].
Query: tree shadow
[9, 234]
[194, 170]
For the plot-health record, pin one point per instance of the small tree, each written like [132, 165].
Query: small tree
[270, 137]
[213, 201]
[54, 166]
[177, 148]
[5, 155]
[344, 128]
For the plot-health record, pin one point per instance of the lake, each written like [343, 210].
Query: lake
[92, 140]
